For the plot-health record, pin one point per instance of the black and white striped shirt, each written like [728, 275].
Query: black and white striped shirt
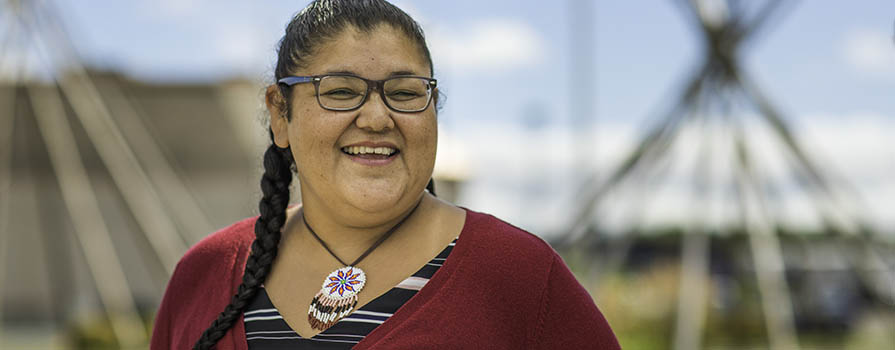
[266, 329]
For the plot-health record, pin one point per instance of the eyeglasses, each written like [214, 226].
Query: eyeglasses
[347, 92]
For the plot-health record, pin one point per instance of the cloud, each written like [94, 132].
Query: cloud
[870, 52]
[484, 45]
[488, 45]
[529, 176]
[239, 46]
[191, 41]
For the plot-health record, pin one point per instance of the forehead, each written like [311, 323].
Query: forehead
[374, 55]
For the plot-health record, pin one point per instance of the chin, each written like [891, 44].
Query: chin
[376, 197]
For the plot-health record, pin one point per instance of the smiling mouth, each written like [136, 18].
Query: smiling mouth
[370, 152]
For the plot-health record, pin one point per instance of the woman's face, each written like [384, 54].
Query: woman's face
[347, 183]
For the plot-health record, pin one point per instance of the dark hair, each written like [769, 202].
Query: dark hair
[319, 21]
[324, 19]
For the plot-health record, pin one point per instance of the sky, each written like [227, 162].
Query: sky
[507, 70]
[825, 57]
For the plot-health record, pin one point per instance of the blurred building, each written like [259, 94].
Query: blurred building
[210, 135]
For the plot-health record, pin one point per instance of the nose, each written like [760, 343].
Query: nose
[374, 115]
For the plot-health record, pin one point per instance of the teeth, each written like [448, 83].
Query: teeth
[369, 150]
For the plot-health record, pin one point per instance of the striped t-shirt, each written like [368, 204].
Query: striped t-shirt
[266, 329]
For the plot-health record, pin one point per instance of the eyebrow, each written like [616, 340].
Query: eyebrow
[392, 74]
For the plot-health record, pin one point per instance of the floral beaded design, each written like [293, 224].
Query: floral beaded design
[344, 281]
[337, 297]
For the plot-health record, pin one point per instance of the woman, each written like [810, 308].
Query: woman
[371, 259]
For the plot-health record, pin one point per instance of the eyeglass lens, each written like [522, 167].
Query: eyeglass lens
[402, 93]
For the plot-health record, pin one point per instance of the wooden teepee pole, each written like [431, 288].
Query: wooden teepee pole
[822, 187]
[7, 123]
[767, 255]
[141, 143]
[89, 225]
[653, 146]
[185, 208]
[695, 246]
[126, 171]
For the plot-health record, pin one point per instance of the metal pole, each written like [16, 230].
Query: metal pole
[582, 85]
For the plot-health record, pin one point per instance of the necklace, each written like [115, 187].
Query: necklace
[338, 296]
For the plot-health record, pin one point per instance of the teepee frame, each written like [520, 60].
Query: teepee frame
[153, 191]
[719, 85]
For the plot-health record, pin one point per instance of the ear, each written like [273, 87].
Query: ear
[436, 96]
[276, 107]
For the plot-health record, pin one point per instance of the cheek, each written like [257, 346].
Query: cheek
[304, 136]
[315, 136]
[432, 139]
[426, 139]
[308, 127]
[431, 132]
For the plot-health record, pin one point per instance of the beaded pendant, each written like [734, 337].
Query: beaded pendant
[337, 297]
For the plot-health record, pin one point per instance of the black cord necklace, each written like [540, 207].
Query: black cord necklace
[338, 296]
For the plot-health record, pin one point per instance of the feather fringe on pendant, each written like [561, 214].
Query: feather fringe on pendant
[337, 298]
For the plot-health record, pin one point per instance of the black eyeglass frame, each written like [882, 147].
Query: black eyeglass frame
[432, 83]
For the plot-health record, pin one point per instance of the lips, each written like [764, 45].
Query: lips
[371, 153]
[365, 150]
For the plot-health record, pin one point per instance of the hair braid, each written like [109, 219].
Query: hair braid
[431, 187]
[275, 187]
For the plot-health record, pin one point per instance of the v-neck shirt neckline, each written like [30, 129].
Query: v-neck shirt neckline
[266, 328]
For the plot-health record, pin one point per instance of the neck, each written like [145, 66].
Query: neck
[348, 238]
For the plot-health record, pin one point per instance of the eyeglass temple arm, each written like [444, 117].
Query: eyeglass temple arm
[295, 80]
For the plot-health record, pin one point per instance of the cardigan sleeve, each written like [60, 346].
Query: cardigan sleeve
[162, 333]
[568, 318]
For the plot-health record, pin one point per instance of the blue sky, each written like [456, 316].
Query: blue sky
[823, 57]
[506, 66]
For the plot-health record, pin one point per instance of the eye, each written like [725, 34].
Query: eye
[404, 95]
[340, 93]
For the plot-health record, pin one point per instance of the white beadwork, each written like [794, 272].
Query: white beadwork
[361, 278]
[335, 294]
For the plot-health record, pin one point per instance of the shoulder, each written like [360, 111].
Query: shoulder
[226, 241]
[201, 286]
[491, 249]
[215, 259]
[560, 313]
[502, 241]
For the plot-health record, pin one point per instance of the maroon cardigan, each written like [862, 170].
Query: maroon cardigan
[501, 288]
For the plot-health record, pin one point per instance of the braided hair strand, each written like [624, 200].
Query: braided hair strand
[275, 188]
